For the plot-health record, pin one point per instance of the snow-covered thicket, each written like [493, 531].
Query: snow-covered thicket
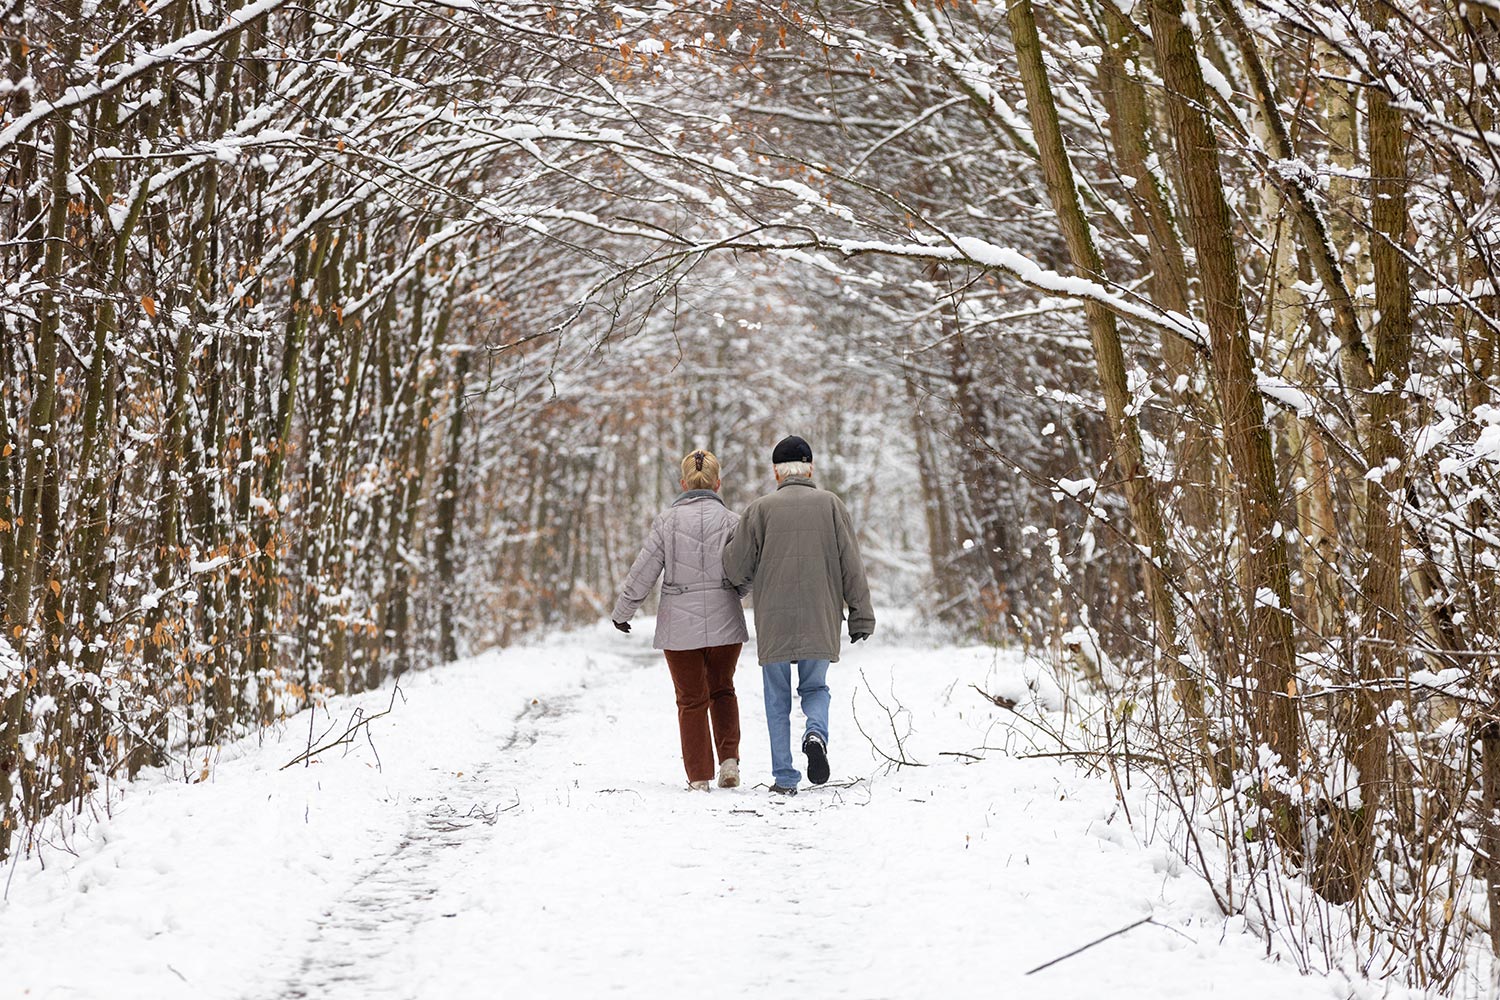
[1177, 322]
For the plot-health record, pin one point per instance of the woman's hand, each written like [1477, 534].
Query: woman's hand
[623, 626]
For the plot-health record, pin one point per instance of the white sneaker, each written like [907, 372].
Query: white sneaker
[698, 786]
[729, 773]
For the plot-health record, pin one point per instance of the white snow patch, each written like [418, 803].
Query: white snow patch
[525, 831]
[1265, 597]
[1432, 435]
[1078, 487]
[1487, 445]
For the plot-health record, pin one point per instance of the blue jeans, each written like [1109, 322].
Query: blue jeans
[812, 688]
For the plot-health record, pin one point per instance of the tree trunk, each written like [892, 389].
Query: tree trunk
[1151, 213]
[1268, 594]
[1382, 630]
[447, 508]
[38, 465]
[990, 544]
[1489, 826]
[267, 538]
[1109, 357]
[935, 507]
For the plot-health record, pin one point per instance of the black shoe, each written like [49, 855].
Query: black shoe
[817, 758]
[784, 790]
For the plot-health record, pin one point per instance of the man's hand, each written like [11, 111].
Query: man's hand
[856, 636]
[623, 626]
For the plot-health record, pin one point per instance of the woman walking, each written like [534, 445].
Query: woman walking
[700, 622]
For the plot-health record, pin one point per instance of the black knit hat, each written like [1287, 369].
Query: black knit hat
[791, 449]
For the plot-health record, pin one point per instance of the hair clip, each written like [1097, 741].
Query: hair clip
[698, 458]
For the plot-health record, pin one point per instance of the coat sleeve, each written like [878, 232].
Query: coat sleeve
[643, 574]
[742, 589]
[742, 551]
[852, 570]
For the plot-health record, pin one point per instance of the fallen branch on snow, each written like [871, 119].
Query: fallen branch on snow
[358, 721]
[1101, 940]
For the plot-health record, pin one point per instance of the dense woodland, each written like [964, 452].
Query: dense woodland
[337, 339]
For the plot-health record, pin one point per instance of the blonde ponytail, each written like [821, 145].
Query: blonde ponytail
[700, 470]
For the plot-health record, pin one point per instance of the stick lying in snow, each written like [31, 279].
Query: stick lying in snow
[1075, 951]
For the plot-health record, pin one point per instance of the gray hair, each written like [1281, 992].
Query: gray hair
[784, 469]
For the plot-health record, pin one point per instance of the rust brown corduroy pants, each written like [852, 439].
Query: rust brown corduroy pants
[704, 679]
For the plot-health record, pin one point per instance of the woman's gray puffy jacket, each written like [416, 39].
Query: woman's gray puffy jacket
[698, 606]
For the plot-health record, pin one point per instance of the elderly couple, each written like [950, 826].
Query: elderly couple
[795, 547]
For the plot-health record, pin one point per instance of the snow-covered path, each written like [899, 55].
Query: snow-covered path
[527, 833]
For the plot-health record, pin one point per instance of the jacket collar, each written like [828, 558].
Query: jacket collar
[691, 495]
[797, 481]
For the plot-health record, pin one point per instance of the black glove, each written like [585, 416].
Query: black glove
[623, 626]
[856, 636]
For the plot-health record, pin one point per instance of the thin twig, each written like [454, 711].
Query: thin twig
[901, 761]
[1092, 753]
[1083, 948]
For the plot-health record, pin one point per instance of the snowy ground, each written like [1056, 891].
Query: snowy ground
[526, 832]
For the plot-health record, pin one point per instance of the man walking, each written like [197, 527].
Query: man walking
[798, 549]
